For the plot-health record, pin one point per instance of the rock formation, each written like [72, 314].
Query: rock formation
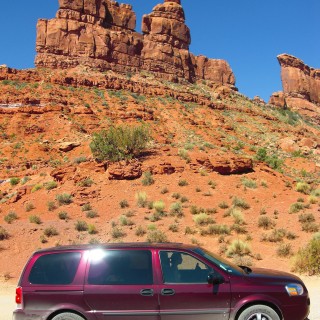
[301, 84]
[101, 34]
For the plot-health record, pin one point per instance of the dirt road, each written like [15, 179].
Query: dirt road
[7, 295]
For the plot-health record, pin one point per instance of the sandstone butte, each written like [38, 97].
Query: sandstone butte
[301, 86]
[101, 34]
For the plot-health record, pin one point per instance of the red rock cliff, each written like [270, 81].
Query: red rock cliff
[100, 34]
[298, 79]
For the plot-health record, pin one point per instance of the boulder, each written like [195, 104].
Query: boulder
[124, 170]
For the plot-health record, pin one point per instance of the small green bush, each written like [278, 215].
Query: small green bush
[63, 215]
[3, 233]
[117, 233]
[174, 227]
[284, 250]
[120, 143]
[86, 207]
[249, 183]
[85, 183]
[219, 229]
[36, 187]
[81, 226]
[91, 214]
[147, 179]
[310, 227]
[10, 217]
[176, 209]
[159, 206]
[14, 181]
[202, 219]
[50, 232]
[35, 219]
[64, 199]
[307, 259]
[240, 203]
[265, 223]
[296, 207]
[51, 205]
[29, 207]
[51, 185]
[142, 199]
[156, 236]
[124, 204]
[307, 217]
[140, 232]
[303, 187]
[92, 229]
[183, 183]
[238, 247]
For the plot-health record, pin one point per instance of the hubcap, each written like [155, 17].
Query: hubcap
[259, 316]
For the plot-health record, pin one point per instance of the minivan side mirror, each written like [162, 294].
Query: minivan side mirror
[215, 279]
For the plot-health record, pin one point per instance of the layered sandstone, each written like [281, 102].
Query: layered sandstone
[101, 34]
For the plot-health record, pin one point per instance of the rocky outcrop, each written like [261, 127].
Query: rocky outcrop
[298, 79]
[100, 34]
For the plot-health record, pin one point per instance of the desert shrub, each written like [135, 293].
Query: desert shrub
[291, 235]
[159, 206]
[36, 187]
[273, 161]
[35, 219]
[124, 221]
[249, 183]
[223, 205]
[303, 187]
[182, 183]
[296, 207]
[240, 203]
[147, 179]
[86, 183]
[124, 204]
[81, 225]
[119, 143]
[3, 233]
[174, 227]
[50, 232]
[176, 195]
[212, 184]
[86, 207]
[176, 209]
[218, 229]
[117, 233]
[92, 229]
[189, 230]
[63, 215]
[10, 217]
[307, 260]
[164, 190]
[25, 179]
[202, 219]
[306, 217]
[238, 228]
[184, 154]
[79, 160]
[276, 235]
[91, 214]
[51, 205]
[242, 260]
[14, 181]
[313, 199]
[238, 247]
[195, 210]
[64, 198]
[310, 227]
[141, 198]
[29, 206]
[184, 199]
[51, 185]
[155, 236]
[140, 232]
[237, 215]
[265, 222]
[284, 250]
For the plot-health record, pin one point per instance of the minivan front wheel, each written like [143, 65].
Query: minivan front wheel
[67, 316]
[259, 312]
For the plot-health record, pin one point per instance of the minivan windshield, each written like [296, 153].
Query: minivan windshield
[219, 261]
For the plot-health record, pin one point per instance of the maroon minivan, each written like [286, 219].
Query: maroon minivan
[152, 282]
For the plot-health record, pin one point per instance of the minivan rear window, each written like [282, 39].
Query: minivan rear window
[55, 269]
[120, 267]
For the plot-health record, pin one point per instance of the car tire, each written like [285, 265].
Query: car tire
[67, 316]
[259, 312]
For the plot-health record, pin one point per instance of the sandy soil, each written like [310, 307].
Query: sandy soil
[7, 294]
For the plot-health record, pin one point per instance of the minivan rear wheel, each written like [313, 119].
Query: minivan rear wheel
[67, 316]
[259, 312]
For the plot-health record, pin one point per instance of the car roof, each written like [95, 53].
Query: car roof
[123, 245]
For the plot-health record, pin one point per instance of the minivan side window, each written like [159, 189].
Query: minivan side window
[120, 267]
[55, 269]
[180, 267]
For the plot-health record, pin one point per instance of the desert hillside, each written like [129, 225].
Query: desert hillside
[237, 176]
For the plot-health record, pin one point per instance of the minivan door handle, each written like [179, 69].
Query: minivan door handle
[146, 292]
[167, 292]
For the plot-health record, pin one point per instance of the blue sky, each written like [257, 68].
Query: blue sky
[249, 34]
